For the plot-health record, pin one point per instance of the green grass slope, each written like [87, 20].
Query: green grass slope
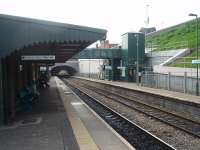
[176, 37]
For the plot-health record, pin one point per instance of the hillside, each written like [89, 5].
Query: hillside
[176, 37]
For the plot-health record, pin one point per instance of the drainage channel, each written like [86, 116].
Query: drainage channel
[138, 137]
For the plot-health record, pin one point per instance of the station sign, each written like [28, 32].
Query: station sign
[108, 67]
[197, 61]
[121, 68]
[38, 57]
[123, 73]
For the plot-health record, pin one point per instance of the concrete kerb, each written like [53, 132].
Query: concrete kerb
[82, 135]
[109, 127]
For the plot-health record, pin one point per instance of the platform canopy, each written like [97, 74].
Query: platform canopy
[29, 37]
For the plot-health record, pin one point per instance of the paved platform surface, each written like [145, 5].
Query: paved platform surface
[161, 92]
[99, 132]
[51, 131]
[59, 121]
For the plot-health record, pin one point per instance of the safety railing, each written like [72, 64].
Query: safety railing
[184, 83]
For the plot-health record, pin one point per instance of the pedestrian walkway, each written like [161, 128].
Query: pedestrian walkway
[90, 130]
[46, 127]
[183, 105]
[60, 121]
[170, 94]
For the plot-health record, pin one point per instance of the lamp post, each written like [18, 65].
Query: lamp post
[197, 82]
[137, 59]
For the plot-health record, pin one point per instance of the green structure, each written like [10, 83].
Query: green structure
[60, 39]
[122, 62]
[99, 53]
[133, 50]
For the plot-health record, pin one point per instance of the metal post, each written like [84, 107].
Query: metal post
[146, 79]
[197, 84]
[169, 80]
[89, 67]
[156, 80]
[185, 82]
[99, 68]
[137, 67]
[151, 58]
[197, 78]
[142, 78]
[112, 71]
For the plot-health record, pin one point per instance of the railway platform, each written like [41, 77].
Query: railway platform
[180, 104]
[45, 127]
[90, 130]
[60, 121]
[160, 92]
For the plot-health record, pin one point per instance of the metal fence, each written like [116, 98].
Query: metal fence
[170, 82]
[89, 75]
[184, 84]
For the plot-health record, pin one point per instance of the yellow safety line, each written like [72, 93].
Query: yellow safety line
[82, 135]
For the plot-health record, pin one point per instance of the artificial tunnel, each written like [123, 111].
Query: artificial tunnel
[70, 71]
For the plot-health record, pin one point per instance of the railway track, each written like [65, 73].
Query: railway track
[138, 137]
[179, 122]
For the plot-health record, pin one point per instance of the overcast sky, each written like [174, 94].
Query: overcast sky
[116, 16]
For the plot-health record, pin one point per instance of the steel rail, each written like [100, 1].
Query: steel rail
[176, 121]
[159, 144]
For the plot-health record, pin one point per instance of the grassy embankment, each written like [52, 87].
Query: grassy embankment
[177, 37]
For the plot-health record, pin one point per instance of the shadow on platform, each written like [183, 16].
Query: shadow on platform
[45, 127]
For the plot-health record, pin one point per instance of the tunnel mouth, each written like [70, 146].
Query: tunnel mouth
[63, 71]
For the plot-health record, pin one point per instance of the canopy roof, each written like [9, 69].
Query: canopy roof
[38, 37]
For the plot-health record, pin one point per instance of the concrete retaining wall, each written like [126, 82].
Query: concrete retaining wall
[165, 57]
[191, 72]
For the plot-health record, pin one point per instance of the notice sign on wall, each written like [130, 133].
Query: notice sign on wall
[38, 57]
[123, 70]
[197, 61]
